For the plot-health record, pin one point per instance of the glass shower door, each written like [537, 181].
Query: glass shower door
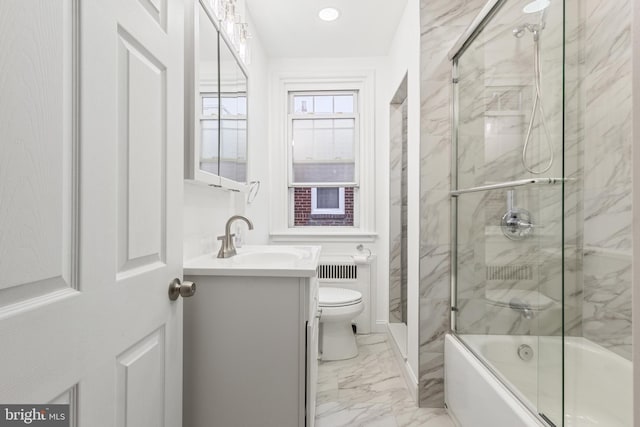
[507, 201]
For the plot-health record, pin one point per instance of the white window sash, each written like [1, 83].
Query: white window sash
[314, 204]
[291, 116]
[361, 81]
[323, 184]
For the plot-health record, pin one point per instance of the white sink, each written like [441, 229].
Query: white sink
[269, 257]
[262, 260]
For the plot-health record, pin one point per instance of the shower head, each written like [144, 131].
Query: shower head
[536, 6]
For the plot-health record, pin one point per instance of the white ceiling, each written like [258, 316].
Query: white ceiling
[291, 28]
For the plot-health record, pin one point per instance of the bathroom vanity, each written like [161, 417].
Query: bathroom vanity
[251, 338]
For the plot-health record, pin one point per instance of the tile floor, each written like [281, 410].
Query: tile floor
[369, 391]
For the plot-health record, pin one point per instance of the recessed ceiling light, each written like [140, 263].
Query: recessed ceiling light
[329, 14]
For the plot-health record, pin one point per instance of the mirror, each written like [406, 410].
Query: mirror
[233, 117]
[216, 152]
[207, 99]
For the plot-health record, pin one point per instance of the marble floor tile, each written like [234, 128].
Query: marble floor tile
[369, 391]
[338, 414]
[327, 388]
[411, 416]
[374, 389]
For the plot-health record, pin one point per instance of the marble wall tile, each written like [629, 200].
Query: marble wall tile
[500, 161]
[607, 33]
[437, 208]
[398, 211]
[606, 146]
[435, 264]
[404, 212]
[442, 23]
[431, 383]
[395, 221]
[573, 156]
[437, 102]
[597, 147]
[437, 153]
[435, 64]
[437, 13]
[607, 294]
[490, 265]
[434, 325]
[395, 278]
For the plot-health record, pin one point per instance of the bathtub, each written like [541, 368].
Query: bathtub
[598, 382]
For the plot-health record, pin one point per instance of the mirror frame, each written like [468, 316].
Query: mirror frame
[192, 171]
[228, 182]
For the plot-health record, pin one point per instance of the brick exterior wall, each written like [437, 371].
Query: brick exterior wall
[302, 210]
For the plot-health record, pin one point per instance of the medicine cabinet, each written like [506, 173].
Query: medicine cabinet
[216, 112]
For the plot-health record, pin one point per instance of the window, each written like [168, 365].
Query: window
[327, 201]
[323, 161]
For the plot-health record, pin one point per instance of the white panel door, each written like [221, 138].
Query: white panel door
[91, 127]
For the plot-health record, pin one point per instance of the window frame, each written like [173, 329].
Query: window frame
[283, 80]
[292, 116]
[324, 211]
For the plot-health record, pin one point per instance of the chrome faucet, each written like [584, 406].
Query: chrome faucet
[228, 249]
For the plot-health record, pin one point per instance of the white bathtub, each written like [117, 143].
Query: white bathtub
[598, 383]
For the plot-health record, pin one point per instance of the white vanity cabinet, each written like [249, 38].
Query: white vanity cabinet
[250, 344]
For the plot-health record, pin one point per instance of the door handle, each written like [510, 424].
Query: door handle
[177, 289]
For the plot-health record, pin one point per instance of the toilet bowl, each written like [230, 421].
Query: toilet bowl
[339, 307]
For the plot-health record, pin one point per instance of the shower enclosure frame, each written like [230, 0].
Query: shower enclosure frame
[491, 8]
[476, 26]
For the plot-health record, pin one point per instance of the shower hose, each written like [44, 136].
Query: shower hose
[537, 104]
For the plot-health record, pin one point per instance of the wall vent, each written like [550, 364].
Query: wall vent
[509, 272]
[338, 271]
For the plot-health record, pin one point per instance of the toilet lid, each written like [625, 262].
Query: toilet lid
[336, 297]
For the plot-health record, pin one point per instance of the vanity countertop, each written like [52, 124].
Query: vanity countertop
[258, 260]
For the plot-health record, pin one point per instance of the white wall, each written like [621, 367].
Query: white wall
[389, 72]
[258, 210]
[206, 209]
[309, 67]
[404, 58]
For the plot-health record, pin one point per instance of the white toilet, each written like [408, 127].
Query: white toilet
[339, 307]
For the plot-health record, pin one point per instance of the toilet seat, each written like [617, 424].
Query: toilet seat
[338, 297]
